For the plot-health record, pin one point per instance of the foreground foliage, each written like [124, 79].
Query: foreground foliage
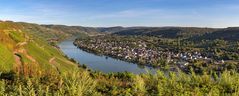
[85, 83]
[70, 84]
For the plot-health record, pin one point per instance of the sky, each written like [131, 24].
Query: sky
[106, 13]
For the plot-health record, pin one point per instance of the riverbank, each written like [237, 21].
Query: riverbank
[172, 67]
[113, 56]
[102, 63]
[139, 50]
[147, 51]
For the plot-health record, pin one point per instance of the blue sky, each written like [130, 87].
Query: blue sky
[198, 13]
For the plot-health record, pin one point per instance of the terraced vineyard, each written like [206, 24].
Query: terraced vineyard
[22, 47]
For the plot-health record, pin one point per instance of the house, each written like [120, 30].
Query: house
[183, 63]
[222, 61]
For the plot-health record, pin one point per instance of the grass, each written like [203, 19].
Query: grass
[17, 36]
[43, 52]
[39, 54]
[6, 58]
[37, 46]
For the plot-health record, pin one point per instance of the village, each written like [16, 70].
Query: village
[139, 52]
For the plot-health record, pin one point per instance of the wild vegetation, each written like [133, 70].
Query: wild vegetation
[84, 83]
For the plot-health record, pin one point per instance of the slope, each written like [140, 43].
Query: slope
[22, 47]
[229, 34]
[166, 32]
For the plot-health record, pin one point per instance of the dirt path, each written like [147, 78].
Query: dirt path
[18, 60]
[51, 61]
[21, 44]
[20, 50]
[30, 58]
[24, 51]
[18, 63]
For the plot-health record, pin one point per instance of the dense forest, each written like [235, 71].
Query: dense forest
[167, 32]
[229, 34]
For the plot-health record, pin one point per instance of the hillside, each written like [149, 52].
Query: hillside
[229, 34]
[73, 30]
[111, 29]
[196, 33]
[193, 33]
[166, 32]
[24, 45]
[41, 31]
[76, 30]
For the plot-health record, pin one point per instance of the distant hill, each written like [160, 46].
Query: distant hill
[72, 29]
[193, 33]
[166, 32]
[80, 29]
[111, 29]
[230, 34]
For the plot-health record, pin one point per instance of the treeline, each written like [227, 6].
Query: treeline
[190, 33]
[167, 32]
[229, 34]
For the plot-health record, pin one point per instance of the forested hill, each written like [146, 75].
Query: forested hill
[193, 33]
[166, 32]
[111, 29]
[230, 34]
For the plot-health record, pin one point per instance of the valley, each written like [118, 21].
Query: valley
[166, 53]
[34, 62]
[101, 63]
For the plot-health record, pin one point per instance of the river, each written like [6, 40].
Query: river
[101, 63]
